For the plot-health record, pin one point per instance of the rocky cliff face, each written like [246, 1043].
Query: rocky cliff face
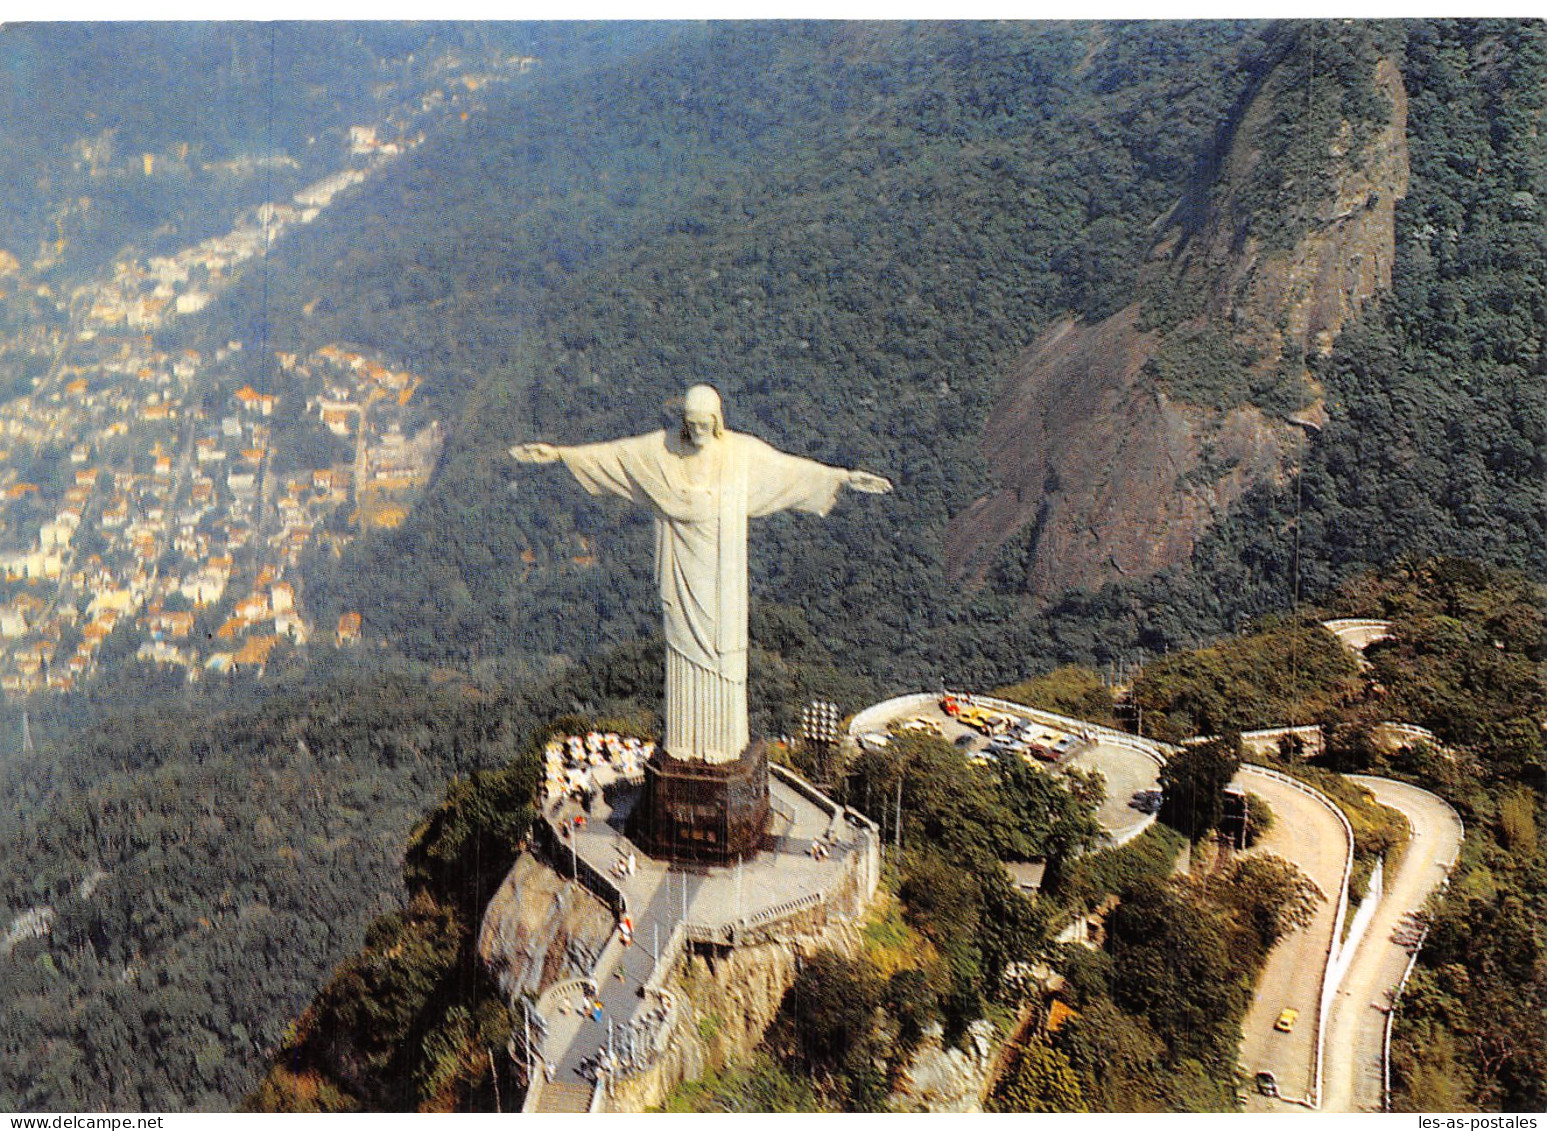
[540, 929]
[1106, 468]
[944, 1078]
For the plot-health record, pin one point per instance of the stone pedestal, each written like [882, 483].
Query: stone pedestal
[709, 814]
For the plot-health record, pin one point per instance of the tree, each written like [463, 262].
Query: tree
[1117, 1056]
[1042, 1079]
[826, 1024]
[1194, 782]
[1068, 690]
[1172, 963]
[945, 802]
[1056, 815]
[1268, 894]
[1259, 818]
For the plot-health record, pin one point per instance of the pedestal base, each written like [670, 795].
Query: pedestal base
[702, 812]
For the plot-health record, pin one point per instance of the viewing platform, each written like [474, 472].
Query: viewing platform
[817, 861]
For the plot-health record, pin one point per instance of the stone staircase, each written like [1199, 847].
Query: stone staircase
[566, 1098]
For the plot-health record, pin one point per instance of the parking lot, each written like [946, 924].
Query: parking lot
[1126, 771]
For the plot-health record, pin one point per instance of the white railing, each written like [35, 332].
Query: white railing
[1370, 630]
[1394, 732]
[1256, 739]
[534, 1087]
[874, 716]
[801, 786]
[1361, 922]
[1149, 747]
[781, 910]
[558, 990]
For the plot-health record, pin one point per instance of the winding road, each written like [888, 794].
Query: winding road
[1309, 834]
[1336, 1066]
[1357, 1023]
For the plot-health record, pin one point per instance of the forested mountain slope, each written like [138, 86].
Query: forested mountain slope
[1120, 442]
[859, 253]
[854, 254]
[857, 231]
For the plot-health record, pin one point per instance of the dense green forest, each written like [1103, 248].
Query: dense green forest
[926, 199]
[233, 114]
[855, 230]
[859, 299]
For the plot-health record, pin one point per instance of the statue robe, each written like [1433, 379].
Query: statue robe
[701, 563]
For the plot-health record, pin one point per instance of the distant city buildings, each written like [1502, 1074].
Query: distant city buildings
[144, 498]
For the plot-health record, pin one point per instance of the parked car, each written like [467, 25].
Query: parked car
[1147, 801]
[1267, 1083]
[1286, 1020]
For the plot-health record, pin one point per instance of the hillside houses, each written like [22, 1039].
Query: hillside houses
[165, 497]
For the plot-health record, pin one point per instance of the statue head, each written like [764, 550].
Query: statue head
[702, 418]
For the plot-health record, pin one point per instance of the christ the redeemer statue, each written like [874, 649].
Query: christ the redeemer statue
[702, 484]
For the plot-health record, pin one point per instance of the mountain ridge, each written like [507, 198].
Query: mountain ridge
[1115, 465]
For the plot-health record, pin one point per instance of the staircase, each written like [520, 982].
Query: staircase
[568, 1098]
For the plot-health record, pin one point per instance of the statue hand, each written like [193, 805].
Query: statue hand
[535, 453]
[868, 483]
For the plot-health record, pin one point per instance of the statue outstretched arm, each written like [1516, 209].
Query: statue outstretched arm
[868, 482]
[537, 452]
[628, 468]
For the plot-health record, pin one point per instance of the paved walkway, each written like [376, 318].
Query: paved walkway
[659, 896]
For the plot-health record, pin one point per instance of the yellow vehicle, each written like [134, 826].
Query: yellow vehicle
[980, 718]
[971, 715]
[1286, 1020]
[928, 726]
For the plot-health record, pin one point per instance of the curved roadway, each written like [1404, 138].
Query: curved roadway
[1357, 1022]
[1310, 836]
[1124, 769]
